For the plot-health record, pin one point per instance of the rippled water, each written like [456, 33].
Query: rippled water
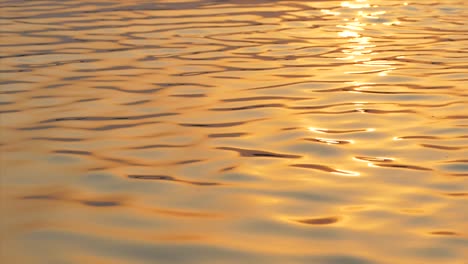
[234, 131]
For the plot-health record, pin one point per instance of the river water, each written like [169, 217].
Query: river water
[240, 131]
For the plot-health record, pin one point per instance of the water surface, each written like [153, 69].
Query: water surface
[234, 131]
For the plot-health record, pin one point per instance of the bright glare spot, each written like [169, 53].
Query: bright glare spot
[346, 173]
[361, 88]
[382, 73]
[380, 62]
[317, 130]
[364, 40]
[375, 159]
[333, 141]
[353, 26]
[362, 60]
[347, 34]
[359, 4]
[329, 12]
[328, 141]
[378, 13]
[346, 58]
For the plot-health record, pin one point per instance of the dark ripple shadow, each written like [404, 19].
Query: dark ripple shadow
[74, 152]
[401, 166]
[157, 146]
[101, 203]
[114, 88]
[106, 118]
[219, 125]
[42, 197]
[259, 153]
[374, 159]
[325, 169]
[335, 131]
[139, 102]
[119, 126]
[319, 221]
[261, 98]
[227, 135]
[444, 233]
[457, 194]
[248, 107]
[58, 139]
[64, 198]
[171, 179]
[31, 128]
[441, 147]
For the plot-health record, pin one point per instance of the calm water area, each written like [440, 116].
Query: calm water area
[209, 131]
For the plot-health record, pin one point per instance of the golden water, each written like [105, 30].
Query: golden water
[260, 131]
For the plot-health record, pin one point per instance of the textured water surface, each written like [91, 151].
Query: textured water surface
[211, 131]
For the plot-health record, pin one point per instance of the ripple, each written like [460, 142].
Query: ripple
[105, 118]
[261, 98]
[442, 147]
[319, 221]
[330, 141]
[457, 194]
[326, 169]
[247, 107]
[227, 135]
[443, 233]
[331, 131]
[101, 203]
[401, 166]
[169, 178]
[41, 197]
[57, 139]
[375, 159]
[74, 152]
[188, 126]
[259, 153]
[217, 125]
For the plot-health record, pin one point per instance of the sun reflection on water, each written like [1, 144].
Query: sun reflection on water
[360, 48]
[234, 131]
